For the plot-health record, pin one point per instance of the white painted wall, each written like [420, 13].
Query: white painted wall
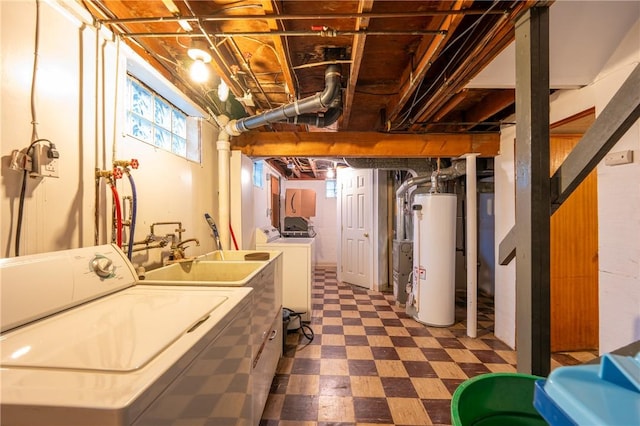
[324, 222]
[242, 201]
[618, 210]
[75, 104]
[619, 213]
[262, 198]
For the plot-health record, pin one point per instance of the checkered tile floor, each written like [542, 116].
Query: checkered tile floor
[370, 363]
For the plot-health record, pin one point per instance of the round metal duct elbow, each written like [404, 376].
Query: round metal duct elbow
[310, 104]
[325, 119]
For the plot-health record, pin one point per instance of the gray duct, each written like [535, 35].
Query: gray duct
[329, 117]
[414, 165]
[303, 106]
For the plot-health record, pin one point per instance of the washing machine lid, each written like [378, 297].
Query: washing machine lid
[121, 332]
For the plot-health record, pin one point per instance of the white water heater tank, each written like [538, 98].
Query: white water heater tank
[434, 253]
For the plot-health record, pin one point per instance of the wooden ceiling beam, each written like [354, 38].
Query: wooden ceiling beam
[357, 50]
[451, 104]
[490, 105]
[484, 52]
[270, 9]
[365, 144]
[431, 46]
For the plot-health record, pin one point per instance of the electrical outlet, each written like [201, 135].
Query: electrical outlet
[43, 165]
[51, 168]
[617, 158]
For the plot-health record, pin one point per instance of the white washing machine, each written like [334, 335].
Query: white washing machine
[298, 264]
[82, 345]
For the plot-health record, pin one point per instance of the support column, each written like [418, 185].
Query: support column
[532, 193]
[472, 245]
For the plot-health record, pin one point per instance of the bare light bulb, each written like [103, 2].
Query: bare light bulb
[199, 71]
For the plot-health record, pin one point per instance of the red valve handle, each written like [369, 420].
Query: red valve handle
[117, 173]
[134, 163]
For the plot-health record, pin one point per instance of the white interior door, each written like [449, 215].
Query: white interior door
[356, 217]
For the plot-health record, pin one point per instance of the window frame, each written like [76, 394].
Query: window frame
[173, 133]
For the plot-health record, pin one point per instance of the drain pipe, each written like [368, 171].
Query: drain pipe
[325, 120]
[228, 128]
[303, 106]
[224, 181]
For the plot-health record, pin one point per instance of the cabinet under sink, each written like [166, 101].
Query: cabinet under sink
[265, 278]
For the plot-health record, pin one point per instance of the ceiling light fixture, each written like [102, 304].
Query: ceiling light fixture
[199, 71]
[201, 56]
[330, 173]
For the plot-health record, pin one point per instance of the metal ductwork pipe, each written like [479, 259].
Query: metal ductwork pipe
[415, 166]
[303, 106]
[330, 116]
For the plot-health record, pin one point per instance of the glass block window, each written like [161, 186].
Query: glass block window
[258, 176]
[154, 120]
[331, 188]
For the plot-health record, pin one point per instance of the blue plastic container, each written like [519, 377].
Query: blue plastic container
[605, 394]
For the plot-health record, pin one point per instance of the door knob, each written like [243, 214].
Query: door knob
[366, 235]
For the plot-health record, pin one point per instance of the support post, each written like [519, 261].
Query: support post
[533, 193]
[472, 245]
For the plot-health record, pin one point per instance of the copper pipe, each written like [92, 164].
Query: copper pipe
[247, 67]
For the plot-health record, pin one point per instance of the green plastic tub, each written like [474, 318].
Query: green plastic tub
[496, 399]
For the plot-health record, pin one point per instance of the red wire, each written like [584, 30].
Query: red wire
[116, 200]
[233, 237]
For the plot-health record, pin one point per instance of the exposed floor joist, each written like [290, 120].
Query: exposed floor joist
[357, 50]
[413, 74]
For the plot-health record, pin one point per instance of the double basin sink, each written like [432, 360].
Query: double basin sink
[235, 269]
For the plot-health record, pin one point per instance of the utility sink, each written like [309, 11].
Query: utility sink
[239, 255]
[202, 272]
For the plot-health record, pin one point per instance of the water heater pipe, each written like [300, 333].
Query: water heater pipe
[302, 106]
[472, 246]
[456, 169]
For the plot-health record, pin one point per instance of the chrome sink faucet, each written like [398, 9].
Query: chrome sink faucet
[189, 240]
[177, 249]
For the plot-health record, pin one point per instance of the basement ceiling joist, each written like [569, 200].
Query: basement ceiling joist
[405, 64]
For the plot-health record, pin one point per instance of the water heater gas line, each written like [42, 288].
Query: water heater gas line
[472, 246]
